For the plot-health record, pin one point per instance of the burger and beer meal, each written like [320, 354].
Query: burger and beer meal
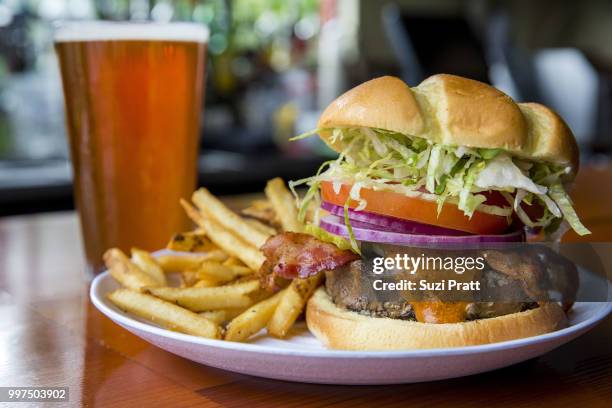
[452, 171]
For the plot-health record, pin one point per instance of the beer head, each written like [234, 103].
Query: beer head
[122, 31]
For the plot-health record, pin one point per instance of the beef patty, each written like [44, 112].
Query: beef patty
[352, 288]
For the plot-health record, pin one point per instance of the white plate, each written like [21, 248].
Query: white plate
[302, 358]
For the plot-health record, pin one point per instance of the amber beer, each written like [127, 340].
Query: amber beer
[133, 95]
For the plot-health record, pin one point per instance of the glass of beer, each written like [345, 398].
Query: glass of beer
[133, 96]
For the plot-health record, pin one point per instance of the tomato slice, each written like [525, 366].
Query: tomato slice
[419, 210]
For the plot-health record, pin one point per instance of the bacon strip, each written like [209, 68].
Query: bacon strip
[295, 255]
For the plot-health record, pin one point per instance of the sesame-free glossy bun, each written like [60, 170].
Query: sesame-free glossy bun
[454, 111]
[339, 328]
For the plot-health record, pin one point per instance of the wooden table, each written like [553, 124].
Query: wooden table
[50, 335]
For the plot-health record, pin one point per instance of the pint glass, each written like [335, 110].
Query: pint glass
[133, 96]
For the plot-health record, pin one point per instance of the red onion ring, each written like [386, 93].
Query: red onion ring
[370, 233]
[391, 223]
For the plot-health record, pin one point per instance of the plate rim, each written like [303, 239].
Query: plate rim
[124, 320]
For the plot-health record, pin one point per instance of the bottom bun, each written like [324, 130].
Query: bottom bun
[342, 329]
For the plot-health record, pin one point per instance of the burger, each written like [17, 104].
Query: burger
[451, 162]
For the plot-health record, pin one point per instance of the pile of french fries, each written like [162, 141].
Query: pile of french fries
[219, 294]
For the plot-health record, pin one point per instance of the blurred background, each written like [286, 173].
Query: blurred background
[274, 64]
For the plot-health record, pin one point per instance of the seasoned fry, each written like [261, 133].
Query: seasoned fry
[189, 277]
[220, 272]
[262, 210]
[291, 305]
[148, 265]
[179, 263]
[284, 205]
[222, 315]
[232, 260]
[262, 204]
[225, 240]
[163, 313]
[201, 299]
[206, 283]
[125, 272]
[266, 229]
[215, 209]
[191, 241]
[253, 319]
[215, 316]
[231, 313]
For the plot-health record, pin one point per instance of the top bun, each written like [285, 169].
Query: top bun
[455, 111]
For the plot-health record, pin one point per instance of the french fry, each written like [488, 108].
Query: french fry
[262, 210]
[205, 283]
[226, 240]
[292, 303]
[163, 313]
[215, 316]
[262, 204]
[232, 260]
[232, 313]
[148, 265]
[215, 209]
[201, 299]
[284, 205]
[220, 272]
[258, 225]
[253, 319]
[191, 241]
[179, 263]
[189, 278]
[222, 315]
[125, 272]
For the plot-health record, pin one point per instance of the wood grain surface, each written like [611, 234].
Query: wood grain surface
[50, 335]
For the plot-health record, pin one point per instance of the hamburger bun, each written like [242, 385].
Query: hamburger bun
[342, 329]
[455, 111]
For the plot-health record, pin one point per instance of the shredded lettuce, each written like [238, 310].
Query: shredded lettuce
[489, 154]
[383, 160]
[305, 135]
[349, 228]
[501, 173]
[558, 194]
[434, 169]
[469, 202]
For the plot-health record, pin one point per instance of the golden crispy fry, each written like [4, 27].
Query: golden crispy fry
[232, 260]
[262, 210]
[215, 316]
[253, 319]
[163, 313]
[213, 208]
[148, 265]
[180, 263]
[189, 278]
[291, 305]
[191, 241]
[226, 240]
[231, 313]
[183, 283]
[262, 204]
[125, 272]
[220, 272]
[284, 204]
[222, 315]
[201, 299]
[206, 283]
[258, 225]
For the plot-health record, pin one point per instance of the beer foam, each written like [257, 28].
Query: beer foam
[119, 31]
